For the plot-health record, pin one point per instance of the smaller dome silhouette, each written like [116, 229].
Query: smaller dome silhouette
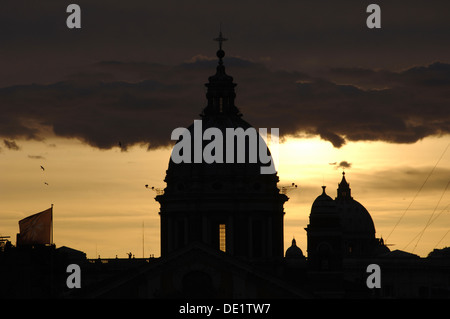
[294, 251]
[323, 204]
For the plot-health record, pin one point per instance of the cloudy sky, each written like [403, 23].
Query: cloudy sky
[374, 102]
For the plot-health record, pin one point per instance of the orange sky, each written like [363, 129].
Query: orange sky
[101, 203]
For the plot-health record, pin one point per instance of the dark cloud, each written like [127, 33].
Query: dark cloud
[11, 145]
[291, 35]
[409, 180]
[340, 80]
[434, 75]
[344, 164]
[411, 108]
[132, 103]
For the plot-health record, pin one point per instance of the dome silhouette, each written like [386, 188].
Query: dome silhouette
[294, 251]
[230, 173]
[347, 219]
[355, 218]
[323, 204]
[216, 193]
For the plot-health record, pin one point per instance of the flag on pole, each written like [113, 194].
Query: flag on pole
[36, 229]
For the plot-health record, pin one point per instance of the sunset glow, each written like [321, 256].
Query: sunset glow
[101, 203]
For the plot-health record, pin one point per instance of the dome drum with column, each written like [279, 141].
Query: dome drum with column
[228, 205]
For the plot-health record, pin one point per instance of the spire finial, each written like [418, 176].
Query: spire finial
[220, 39]
[343, 178]
[344, 190]
[220, 53]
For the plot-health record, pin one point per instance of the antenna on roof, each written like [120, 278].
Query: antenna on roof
[159, 191]
[142, 239]
[286, 189]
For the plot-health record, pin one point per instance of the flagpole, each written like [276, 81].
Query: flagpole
[142, 239]
[51, 239]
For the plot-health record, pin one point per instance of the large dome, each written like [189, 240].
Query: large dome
[221, 182]
[253, 143]
[355, 218]
[231, 158]
[216, 176]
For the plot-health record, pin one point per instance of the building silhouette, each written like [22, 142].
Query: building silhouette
[222, 237]
[229, 205]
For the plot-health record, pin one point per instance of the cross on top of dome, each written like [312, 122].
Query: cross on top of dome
[220, 39]
[220, 53]
[220, 92]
